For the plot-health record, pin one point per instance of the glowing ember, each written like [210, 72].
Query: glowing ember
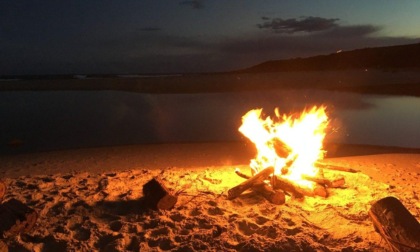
[290, 144]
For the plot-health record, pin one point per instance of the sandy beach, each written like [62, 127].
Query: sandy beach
[92, 200]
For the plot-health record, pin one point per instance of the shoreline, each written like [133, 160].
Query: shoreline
[160, 156]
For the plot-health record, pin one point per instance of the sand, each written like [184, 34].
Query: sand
[91, 200]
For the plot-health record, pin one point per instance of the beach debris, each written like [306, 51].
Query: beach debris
[392, 220]
[158, 195]
[16, 218]
[336, 167]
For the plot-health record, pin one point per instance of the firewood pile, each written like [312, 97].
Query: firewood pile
[274, 187]
[15, 216]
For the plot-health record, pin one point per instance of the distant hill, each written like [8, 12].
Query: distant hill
[386, 58]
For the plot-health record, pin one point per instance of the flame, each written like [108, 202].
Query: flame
[300, 140]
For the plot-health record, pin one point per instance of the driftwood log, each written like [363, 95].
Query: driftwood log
[16, 217]
[158, 196]
[3, 189]
[395, 224]
[298, 191]
[258, 178]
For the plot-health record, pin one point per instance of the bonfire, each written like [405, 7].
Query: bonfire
[289, 153]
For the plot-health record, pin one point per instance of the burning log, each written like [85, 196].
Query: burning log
[282, 150]
[256, 179]
[3, 189]
[16, 217]
[269, 193]
[298, 191]
[395, 224]
[336, 183]
[158, 195]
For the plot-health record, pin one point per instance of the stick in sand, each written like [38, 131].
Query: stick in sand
[336, 168]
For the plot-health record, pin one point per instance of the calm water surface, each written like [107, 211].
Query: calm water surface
[50, 120]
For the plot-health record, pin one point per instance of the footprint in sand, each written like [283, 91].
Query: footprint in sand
[81, 234]
[247, 228]
[109, 242]
[116, 225]
[215, 211]
[195, 212]
[293, 231]
[177, 217]
[261, 220]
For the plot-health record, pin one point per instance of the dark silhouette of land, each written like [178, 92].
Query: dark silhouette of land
[382, 58]
[392, 70]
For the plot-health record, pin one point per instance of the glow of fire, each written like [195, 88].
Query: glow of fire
[302, 136]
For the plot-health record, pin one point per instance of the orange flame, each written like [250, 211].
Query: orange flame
[302, 137]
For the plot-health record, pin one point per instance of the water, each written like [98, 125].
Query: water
[51, 120]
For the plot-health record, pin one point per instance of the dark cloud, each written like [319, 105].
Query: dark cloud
[293, 25]
[195, 4]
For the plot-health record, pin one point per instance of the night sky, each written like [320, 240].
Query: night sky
[142, 36]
